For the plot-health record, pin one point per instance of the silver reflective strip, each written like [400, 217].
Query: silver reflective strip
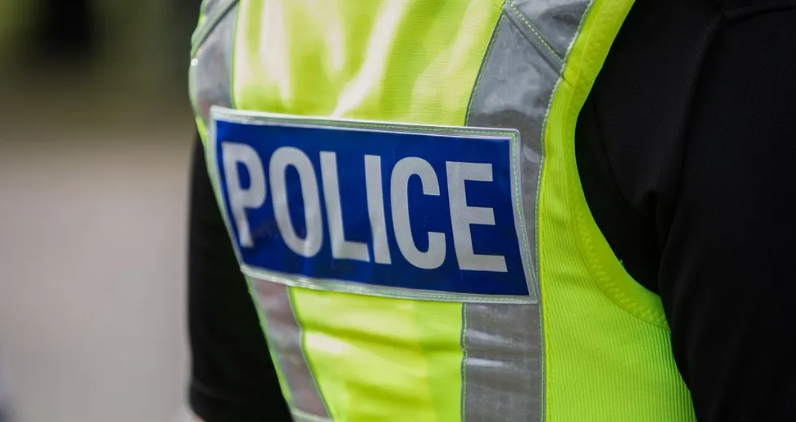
[285, 335]
[303, 417]
[210, 73]
[210, 6]
[210, 85]
[503, 363]
[513, 92]
[554, 21]
[342, 286]
[503, 368]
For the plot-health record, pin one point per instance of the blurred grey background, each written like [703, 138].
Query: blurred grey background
[95, 138]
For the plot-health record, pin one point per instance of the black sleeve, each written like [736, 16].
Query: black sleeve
[233, 379]
[687, 154]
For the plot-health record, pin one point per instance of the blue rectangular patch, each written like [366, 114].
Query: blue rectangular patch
[378, 208]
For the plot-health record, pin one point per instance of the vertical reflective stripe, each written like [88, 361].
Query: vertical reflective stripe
[210, 85]
[503, 369]
[286, 337]
[514, 91]
[503, 363]
[210, 72]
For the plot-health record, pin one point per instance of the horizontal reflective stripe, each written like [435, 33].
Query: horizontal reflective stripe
[379, 206]
[341, 286]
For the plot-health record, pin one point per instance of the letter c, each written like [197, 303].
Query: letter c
[399, 195]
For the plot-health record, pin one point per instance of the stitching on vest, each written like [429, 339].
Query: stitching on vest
[528, 262]
[463, 342]
[577, 33]
[533, 29]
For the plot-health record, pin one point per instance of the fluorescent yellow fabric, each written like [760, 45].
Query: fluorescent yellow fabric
[608, 356]
[391, 60]
[383, 359]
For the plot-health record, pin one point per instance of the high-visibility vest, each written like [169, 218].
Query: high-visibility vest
[400, 185]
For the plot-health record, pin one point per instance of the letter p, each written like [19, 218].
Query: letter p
[241, 199]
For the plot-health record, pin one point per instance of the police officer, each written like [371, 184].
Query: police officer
[534, 210]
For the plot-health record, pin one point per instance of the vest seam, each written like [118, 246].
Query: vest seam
[605, 284]
[577, 33]
[521, 16]
[553, 61]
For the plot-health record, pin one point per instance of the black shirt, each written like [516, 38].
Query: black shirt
[686, 149]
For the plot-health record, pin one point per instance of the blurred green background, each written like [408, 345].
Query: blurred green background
[95, 140]
[146, 39]
[96, 46]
